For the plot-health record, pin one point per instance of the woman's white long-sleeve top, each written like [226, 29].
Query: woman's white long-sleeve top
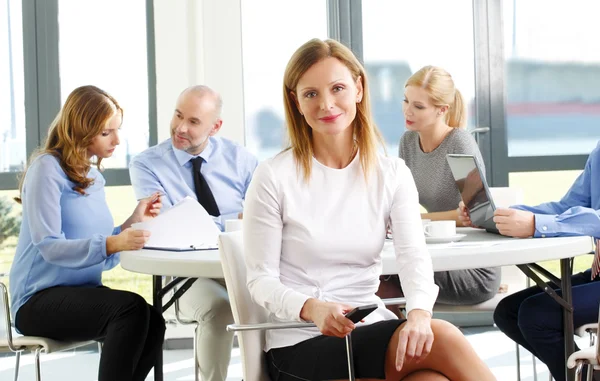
[323, 239]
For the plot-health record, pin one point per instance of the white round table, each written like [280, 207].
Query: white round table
[495, 250]
[478, 249]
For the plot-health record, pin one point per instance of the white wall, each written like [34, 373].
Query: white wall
[199, 42]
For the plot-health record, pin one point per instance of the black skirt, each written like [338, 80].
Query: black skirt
[325, 358]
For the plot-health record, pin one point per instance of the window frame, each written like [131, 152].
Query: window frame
[42, 81]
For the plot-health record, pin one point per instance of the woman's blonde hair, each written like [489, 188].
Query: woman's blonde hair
[84, 116]
[366, 133]
[439, 85]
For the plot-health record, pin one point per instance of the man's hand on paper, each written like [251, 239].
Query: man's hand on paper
[128, 239]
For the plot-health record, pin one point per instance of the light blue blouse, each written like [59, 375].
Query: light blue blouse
[63, 233]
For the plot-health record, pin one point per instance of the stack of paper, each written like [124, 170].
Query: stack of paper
[184, 226]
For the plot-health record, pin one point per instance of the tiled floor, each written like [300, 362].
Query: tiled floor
[496, 350]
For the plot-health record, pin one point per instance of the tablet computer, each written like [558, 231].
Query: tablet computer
[474, 190]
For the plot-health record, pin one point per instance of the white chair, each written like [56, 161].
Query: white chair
[590, 330]
[587, 356]
[12, 342]
[249, 317]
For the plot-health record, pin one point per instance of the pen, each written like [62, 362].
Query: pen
[160, 194]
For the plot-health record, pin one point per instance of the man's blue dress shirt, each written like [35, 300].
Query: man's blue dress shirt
[577, 212]
[227, 168]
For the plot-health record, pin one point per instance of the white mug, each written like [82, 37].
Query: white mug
[440, 229]
[233, 225]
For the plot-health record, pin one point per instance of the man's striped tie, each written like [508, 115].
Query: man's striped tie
[596, 263]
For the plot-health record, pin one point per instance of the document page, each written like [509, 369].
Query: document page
[186, 225]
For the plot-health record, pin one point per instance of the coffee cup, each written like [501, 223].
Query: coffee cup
[233, 225]
[424, 222]
[440, 229]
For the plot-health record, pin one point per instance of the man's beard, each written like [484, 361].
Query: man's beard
[192, 150]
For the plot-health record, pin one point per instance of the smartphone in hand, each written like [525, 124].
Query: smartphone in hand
[360, 312]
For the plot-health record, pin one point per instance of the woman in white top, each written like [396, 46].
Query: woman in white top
[314, 226]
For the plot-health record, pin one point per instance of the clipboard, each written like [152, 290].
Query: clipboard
[182, 249]
[186, 226]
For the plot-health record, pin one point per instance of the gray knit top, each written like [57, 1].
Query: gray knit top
[437, 190]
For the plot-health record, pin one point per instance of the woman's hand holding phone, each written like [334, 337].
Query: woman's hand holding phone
[328, 317]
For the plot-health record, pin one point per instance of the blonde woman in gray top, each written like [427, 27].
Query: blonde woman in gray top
[435, 118]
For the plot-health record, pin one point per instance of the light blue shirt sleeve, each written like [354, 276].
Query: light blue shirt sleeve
[572, 215]
[113, 260]
[42, 196]
[145, 182]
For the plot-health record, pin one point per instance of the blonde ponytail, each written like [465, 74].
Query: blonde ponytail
[456, 116]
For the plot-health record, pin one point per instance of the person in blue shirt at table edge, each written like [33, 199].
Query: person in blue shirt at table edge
[68, 239]
[175, 167]
[530, 317]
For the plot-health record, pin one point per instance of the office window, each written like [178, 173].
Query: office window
[103, 43]
[13, 153]
[400, 37]
[268, 42]
[552, 77]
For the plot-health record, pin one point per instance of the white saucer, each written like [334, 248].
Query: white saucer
[452, 238]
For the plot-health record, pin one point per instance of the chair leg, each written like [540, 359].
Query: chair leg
[351, 376]
[518, 362]
[534, 363]
[38, 376]
[17, 364]
[578, 370]
[196, 365]
[590, 373]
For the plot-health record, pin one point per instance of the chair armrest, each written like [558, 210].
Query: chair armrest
[586, 328]
[588, 355]
[394, 301]
[267, 326]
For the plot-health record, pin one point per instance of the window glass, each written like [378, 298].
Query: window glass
[400, 37]
[103, 43]
[552, 76]
[268, 41]
[13, 154]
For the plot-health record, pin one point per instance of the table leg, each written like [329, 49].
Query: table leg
[157, 302]
[566, 272]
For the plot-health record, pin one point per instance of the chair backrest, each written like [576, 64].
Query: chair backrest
[245, 311]
[506, 196]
